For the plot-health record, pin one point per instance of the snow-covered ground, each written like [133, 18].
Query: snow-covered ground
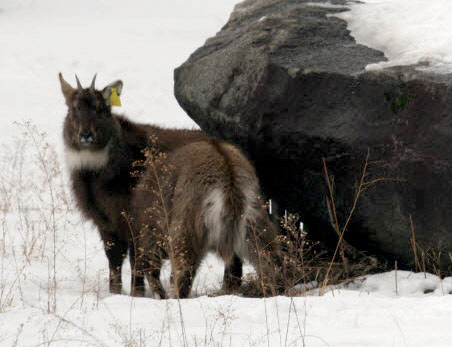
[53, 272]
[407, 31]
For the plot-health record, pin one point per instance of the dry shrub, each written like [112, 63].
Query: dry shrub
[306, 264]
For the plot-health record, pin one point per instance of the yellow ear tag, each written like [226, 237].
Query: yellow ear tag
[114, 98]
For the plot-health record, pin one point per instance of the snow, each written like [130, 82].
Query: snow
[407, 31]
[53, 271]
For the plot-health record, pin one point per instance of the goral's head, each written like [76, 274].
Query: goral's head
[89, 124]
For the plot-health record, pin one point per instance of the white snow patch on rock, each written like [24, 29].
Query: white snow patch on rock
[407, 31]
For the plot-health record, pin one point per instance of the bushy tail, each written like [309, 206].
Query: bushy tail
[230, 229]
[232, 236]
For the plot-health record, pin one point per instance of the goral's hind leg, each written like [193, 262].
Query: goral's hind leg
[183, 276]
[232, 278]
[184, 263]
[155, 284]
[149, 264]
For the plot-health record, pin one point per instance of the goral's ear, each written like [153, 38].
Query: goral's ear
[106, 92]
[66, 88]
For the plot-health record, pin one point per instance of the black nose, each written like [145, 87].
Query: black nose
[86, 136]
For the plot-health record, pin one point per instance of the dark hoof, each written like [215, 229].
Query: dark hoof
[231, 285]
[137, 292]
[115, 289]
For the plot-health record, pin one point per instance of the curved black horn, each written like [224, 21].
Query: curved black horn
[79, 86]
[93, 83]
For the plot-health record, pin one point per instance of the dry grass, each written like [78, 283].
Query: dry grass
[34, 204]
[36, 211]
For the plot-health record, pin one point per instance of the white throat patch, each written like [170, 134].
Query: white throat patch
[87, 159]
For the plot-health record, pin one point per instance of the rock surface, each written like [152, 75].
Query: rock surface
[285, 80]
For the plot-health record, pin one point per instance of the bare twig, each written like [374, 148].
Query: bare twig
[363, 185]
[414, 245]
[336, 221]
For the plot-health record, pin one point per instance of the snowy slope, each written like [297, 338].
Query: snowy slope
[53, 272]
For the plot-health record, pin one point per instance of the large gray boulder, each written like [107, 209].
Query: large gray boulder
[285, 81]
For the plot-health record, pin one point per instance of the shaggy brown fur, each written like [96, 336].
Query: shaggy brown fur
[201, 197]
[101, 148]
